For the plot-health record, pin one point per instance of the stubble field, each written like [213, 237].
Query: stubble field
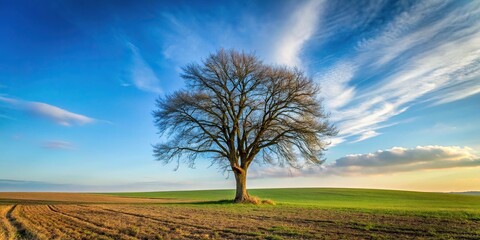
[299, 214]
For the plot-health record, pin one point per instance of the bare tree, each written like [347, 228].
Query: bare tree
[236, 109]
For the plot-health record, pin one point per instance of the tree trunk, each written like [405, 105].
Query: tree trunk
[241, 194]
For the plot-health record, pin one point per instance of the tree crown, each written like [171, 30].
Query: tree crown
[235, 109]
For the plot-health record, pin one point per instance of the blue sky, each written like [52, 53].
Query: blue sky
[78, 81]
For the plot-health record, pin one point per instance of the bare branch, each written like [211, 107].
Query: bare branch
[235, 109]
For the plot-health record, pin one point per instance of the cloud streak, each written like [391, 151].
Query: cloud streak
[299, 29]
[52, 113]
[57, 144]
[434, 61]
[143, 77]
[389, 161]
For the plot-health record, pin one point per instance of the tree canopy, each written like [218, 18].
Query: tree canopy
[236, 110]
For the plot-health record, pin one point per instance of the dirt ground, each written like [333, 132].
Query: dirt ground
[219, 221]
[40, 197]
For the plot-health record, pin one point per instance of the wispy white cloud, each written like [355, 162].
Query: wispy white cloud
[389, 161]
[186, 43]
[143, 77]
[457, 92]
[49, 112]
[430, 61]
[415, 58]
[366, 135]
[190, 36]
[335, 88]
[397, 36]
[300, 27]
[58, 144]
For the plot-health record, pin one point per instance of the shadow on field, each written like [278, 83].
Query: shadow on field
[216, 202]
[223, 202]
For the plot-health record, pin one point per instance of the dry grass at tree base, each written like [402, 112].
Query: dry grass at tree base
[257, 201]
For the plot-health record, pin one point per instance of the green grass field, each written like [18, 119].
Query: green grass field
[342, 198]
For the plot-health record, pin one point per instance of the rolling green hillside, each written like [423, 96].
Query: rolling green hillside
[363, 199]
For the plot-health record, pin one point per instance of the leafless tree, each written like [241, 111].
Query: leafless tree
[235, 109]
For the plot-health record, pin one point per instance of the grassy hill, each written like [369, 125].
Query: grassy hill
[339, 198]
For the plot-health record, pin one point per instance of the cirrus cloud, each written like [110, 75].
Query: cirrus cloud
[298, 30]
[58, 144]
[143, 76]
[419, 59]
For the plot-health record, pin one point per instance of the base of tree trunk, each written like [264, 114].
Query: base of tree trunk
[247, 199]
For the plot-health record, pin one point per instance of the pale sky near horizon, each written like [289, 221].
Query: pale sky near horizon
[79, 79]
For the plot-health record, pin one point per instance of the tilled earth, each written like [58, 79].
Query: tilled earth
[221, 221]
